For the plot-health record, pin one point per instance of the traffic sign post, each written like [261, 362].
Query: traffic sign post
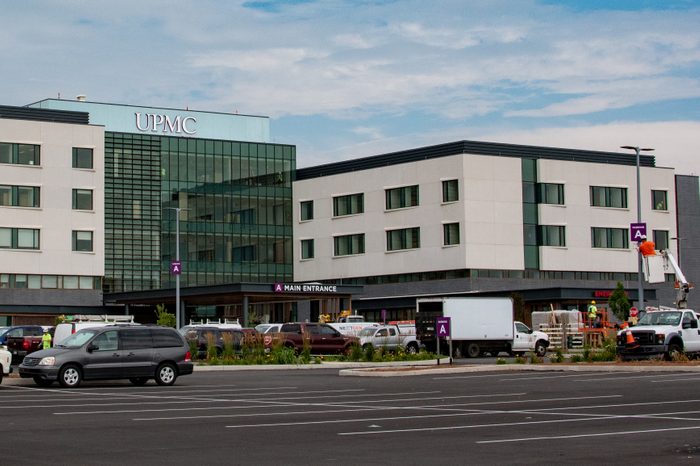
[442, 329]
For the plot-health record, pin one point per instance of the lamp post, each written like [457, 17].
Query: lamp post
[178, 317]
[678, 257]
[640, 286]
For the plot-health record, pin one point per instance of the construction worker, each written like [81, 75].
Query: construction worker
[592, 313]
[46, 339]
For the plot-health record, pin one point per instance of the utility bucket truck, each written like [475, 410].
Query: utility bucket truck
[478, 326]
[662, 331]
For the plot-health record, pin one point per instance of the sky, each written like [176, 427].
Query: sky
[343, 79]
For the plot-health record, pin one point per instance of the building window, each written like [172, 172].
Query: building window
[82, 157]
[611, 238]
[349, 244]
[19, 196]
[550, 193]
[552, 235]
[660, 239]
[82, 199]
[605, 196]
[398, 198]
[659, 200]
[450, 233]
[307, 249]
[19, 238]
[244, 254]
[82, 241]
[19, 154]
[348, 205]
[306, 209]
[405, 238]
[450, 190]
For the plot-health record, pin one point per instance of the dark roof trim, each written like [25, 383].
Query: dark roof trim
[473, 147]
[42, 114]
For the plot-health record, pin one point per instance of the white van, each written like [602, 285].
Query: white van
[79, 322]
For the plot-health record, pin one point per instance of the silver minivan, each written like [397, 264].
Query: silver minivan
[137, 353]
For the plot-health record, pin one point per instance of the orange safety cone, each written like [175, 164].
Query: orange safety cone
[630, 342]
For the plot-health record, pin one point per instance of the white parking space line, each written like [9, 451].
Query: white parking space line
[544, 377]
[258, 404]
[683, 379]
[627, 377]
[354, 408]
[596, 434]
[470, 426]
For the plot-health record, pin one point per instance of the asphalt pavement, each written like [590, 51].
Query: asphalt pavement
[318, 417]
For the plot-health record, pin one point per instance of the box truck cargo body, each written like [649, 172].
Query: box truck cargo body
[477, 326]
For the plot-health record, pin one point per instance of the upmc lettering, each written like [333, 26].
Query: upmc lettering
[164, 124]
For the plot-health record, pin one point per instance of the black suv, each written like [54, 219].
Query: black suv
[136, 353]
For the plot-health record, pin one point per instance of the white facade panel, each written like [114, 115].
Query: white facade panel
[579, 216]
[55, 217]
[489, 212]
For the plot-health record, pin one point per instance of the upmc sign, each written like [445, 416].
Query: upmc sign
[156, 123]
[638, 231]
[442, 326]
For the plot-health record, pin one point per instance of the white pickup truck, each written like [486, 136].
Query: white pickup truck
[5, 361]
[390, 337]
[664, 332]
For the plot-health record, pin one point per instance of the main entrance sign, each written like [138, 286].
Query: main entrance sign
[303, 288]
[157, 123]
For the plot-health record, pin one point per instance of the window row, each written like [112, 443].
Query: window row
[29, 196]
[66, 282]
[543, 235]
[30, 154]
[28, 238]
[396, 240]
[395, 198]
[545, 193]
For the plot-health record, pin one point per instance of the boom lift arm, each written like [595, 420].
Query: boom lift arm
[683, 286]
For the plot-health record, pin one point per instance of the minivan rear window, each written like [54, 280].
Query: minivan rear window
[135, 339]
[165, 338]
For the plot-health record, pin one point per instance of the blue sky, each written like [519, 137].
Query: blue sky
[343, 79]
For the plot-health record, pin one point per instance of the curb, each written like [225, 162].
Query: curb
[323, 365]
[379, 372]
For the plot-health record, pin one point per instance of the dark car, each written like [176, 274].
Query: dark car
[20, 331]
[111, 352]
[204, 336]
[320, 338]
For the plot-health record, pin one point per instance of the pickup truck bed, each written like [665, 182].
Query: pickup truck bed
[22, 346]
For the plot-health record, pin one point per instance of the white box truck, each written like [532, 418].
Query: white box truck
[478, 326]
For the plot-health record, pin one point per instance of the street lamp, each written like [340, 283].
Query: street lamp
[178, 318]
[640, 287]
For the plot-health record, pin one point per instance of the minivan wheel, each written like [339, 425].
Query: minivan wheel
[139, 380]
[69, 376]
[42, 382]
[166, 374]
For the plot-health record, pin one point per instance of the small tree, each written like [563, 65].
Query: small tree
[619, 303]
[165, 318]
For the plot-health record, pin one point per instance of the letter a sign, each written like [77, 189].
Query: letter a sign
[175, 267]
[442, 326]
[638, 231]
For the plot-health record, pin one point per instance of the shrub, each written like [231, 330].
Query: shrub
[558, 356]
[501, 361]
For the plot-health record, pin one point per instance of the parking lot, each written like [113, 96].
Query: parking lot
[317, 417]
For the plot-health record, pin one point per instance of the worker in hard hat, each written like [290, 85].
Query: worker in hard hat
[46, 339]
[592, 313]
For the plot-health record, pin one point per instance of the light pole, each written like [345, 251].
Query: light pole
[678, 257]
[640, 286]
[178, 317]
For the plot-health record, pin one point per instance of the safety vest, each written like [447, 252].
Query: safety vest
[592, 311]
[46, 340]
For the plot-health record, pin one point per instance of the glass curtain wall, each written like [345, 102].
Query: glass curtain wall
[236, 217]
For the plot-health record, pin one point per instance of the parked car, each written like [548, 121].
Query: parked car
[5, 363]
[204, 336]
[320, 338]
[21, 331]
[112, 352]
[27, 344]
[390, 337]
[268, 328]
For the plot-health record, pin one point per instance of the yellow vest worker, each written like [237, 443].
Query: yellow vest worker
[46, 340]
[592, 311]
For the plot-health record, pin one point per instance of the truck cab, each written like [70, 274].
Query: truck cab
[664, 332]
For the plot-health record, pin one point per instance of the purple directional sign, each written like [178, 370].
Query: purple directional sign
[442, 326]
[176, 267]
[638, 231]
